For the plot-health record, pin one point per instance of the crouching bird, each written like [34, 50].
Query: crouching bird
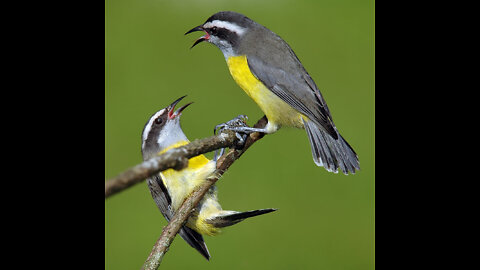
[268, 70]
[170, 188]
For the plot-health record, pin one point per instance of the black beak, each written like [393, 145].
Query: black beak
[202, 38]
[195, 29]
[179, 110]
[170, 108]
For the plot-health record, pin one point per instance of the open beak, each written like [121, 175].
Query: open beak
[200, 39]
[171, 113]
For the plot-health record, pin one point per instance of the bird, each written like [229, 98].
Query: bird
[170, 188]
[270, 73]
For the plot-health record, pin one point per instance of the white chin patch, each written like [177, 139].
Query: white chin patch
[223, 45]
[227, 25]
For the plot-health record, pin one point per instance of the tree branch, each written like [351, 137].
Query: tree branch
[176, 158]
[169, 232]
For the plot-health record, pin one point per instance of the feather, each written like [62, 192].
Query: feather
[331, 153]
[163, 201]
[234, 217]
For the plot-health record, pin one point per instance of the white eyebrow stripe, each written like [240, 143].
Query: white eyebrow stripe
[227, 25]
[148, 127]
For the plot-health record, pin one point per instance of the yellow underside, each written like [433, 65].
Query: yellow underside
[278, 112]
[181, 184]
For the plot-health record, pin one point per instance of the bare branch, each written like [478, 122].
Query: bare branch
[175, 158]
[169, 232]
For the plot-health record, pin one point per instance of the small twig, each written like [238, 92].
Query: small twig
[168, 234]
[175, 158]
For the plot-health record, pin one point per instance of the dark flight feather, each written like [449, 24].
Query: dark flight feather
[229, 220]
[163, 201]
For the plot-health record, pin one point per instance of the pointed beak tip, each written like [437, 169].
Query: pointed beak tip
[172, 106]
[171, 113]
[179, 111]
[195, 29]
[199, 40]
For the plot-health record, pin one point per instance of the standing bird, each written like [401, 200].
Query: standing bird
[268, 70]
[170, 188]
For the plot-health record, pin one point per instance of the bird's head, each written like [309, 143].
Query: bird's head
[162, 130]
[225, 29]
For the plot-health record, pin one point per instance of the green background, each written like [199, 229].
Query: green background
[325, 220]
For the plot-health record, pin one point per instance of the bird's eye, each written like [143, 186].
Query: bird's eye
[158, 121]
[214, 30]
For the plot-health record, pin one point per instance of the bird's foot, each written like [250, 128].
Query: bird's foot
[242, 130]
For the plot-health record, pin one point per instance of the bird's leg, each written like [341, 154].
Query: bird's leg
[216, 155]
[237, 122]
[239, 125]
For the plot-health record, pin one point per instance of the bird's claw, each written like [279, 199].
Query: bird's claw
[239, 121]
[234, 124]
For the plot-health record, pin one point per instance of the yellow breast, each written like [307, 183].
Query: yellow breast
[181, 183]
[277, 111]
[194, 162]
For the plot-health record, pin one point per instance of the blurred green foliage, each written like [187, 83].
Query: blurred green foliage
[325, 220]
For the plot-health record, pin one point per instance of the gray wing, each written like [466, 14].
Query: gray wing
[285, 76]
[163, 201]
[160, 196]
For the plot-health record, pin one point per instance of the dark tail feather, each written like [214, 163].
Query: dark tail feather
[329, 152]
[229, 220]
[195, 240]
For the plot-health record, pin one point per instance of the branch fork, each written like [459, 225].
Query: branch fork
[178, 159]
